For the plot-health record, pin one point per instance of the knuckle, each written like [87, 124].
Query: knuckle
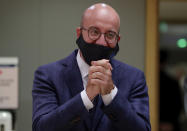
[89, 72]
[89, 77]
[102, 69]
[109, 74]
[91, 68]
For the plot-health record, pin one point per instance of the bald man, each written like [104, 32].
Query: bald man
[89, 90]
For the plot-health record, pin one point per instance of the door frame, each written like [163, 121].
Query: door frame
[152, 60]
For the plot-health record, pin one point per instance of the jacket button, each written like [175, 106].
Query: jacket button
[75, 120]
[112, 117]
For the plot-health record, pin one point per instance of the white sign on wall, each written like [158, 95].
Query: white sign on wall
[8, 82]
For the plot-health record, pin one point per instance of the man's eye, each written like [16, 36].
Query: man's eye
[110, 35]
[94, 32]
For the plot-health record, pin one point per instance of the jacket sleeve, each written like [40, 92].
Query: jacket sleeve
[130, 112]
[48, 115]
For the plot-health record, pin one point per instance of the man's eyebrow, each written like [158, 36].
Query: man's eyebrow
[112, 30]
[109, 30]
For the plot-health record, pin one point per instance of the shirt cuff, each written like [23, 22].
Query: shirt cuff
[86, 101]
[107, 99]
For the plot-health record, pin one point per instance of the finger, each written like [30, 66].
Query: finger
[104, 63]
[110, 66]
[108, 73]
[96, 82]
[100, 69]
[100, 83]
[97, 75]
[97, 69]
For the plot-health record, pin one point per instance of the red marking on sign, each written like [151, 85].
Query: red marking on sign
[1, 72]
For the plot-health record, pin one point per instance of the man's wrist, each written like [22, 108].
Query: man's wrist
[107, 99]
[86, 101]
[105, 92]
[90, 94]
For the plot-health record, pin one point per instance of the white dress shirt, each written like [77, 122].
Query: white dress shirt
[84, 68]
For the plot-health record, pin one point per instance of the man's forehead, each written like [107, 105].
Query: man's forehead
[100, 13]
[100, 10]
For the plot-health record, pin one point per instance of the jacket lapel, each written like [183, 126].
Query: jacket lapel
[72, 74]
[74, 79]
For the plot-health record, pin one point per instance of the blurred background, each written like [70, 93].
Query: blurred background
[38, 32]
[173, 64]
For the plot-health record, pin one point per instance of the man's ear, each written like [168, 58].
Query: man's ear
[78, 31]
[119, 38]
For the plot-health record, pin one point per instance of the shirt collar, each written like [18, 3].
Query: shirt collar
[83, 66]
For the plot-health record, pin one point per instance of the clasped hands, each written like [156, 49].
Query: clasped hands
[99, 78]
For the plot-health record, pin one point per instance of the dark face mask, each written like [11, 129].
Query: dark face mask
[94, 52]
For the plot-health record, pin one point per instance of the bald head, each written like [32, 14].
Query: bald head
[100, 14]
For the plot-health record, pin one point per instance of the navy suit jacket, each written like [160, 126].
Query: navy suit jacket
[57, 104]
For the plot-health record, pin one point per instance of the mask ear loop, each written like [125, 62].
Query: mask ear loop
[116, 50]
